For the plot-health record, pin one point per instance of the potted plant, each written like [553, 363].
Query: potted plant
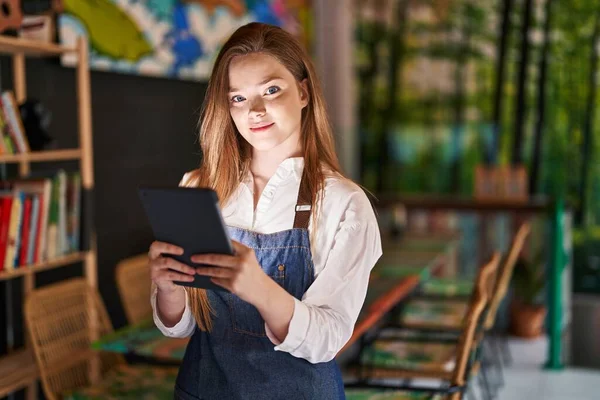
[527, 311]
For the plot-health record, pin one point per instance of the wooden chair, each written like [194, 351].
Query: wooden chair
[448, 313]
[462, 287]
[133, 282]
[441, 320]
[450, 363]
[503, 281]
[63, 320]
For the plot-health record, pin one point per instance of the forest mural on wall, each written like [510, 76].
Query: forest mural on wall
[445, 85]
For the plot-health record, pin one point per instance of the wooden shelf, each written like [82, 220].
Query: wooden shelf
[40, 156]
[17, 370]
[15, 45]
[55, 263]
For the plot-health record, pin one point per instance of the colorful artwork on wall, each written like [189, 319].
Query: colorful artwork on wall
[169, 38]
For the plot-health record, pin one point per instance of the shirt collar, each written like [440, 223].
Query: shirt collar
[292, 166]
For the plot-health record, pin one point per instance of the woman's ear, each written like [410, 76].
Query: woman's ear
[304, 92]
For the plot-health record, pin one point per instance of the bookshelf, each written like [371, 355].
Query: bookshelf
[18, 369]
[43, 266]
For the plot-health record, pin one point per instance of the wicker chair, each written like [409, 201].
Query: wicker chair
[64, 319]
[133, 282]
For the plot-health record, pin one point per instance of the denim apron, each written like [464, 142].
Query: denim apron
[237, 360]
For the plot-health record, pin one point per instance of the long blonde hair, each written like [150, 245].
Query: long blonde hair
[226, 154]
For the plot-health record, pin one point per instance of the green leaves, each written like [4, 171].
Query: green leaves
[529, 279]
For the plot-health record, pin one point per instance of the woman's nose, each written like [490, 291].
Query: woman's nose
[257, 107]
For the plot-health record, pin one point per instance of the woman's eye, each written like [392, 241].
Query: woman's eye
[273, 90]
[237, 99]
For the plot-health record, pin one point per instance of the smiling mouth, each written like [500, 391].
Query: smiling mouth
[262, 128]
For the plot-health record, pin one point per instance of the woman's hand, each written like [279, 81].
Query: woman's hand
[240, 274]
[165, 270]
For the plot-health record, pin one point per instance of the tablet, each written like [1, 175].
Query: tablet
[191, 219]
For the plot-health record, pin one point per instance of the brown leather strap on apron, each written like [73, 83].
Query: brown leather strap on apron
[303, 205]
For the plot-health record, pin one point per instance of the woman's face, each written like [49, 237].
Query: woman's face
[266, 102]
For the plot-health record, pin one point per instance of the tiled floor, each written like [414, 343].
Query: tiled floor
[527, 380]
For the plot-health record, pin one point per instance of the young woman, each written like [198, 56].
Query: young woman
[305, 237]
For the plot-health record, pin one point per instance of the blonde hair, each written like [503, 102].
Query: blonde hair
[226, 154]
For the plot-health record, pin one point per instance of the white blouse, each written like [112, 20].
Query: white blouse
[345, 247]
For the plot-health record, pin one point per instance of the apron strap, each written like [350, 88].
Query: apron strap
[303, 205]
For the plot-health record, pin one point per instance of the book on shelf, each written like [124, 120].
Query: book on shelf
[39, 218]
[13, 138]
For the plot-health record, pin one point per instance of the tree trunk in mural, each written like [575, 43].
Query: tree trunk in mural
[541, 101]
[459, 99]
[517, 153]
[588, 124]
[396, 46]
[500, 76]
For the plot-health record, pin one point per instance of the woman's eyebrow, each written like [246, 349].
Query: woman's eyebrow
[267, 79]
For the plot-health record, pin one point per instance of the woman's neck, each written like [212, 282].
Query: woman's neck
[264, 163]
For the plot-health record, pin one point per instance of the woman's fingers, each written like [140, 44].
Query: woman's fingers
[215, 272]
[158, 248]
[162, 275]
[220, 260]
[165, 269]
[170, 263]
[176, 276]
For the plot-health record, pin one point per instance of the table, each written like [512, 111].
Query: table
[390, 283]
[143, 339]
[405, 265]
[418, 245]
[126, 382]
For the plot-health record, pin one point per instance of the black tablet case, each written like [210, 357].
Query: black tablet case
[191, 219]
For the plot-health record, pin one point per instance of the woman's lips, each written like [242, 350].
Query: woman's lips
[262, 127]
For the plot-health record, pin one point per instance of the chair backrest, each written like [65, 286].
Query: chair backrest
[505, 274]
[481, 294]
[63, 320]
[133, 282]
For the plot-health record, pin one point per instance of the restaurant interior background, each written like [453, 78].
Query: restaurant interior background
[462, 117]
